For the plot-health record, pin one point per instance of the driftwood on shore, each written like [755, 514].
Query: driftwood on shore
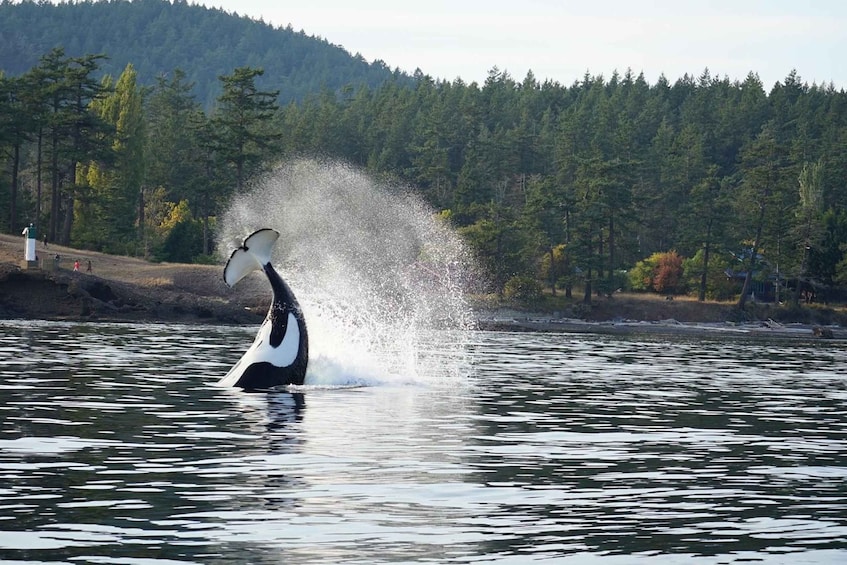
[729, 330]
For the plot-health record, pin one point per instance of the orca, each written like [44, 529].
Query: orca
[280, 353]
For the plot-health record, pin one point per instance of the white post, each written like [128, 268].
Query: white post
[29, 232]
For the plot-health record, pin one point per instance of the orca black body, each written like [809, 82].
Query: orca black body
[280, 353]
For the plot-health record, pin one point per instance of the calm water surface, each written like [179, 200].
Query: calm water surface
[116, 447]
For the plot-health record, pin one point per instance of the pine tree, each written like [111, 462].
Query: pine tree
[762, 186]
[242, 138]
[107, 214]
[177, 157]
[16, 124]
[809, 218]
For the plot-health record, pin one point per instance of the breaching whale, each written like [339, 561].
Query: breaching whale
[280, 352]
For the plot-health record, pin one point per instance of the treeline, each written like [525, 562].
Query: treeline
[157, 36]
[596, 186]
[114, 166]
[577, 185]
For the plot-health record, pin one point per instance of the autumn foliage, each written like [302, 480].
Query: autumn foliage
[661, 272]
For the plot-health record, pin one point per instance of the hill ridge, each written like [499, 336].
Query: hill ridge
[158, 36]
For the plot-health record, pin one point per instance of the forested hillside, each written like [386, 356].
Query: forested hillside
[613, 182]
[705, 185]
[158, 36]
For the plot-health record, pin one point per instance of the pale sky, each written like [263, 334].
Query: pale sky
[562, 39]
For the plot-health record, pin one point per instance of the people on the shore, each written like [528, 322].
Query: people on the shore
[88, 269]
[76, 265]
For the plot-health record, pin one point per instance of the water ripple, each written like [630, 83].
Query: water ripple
[117, 448]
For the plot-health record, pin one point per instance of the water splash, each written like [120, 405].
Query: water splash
[382, 280]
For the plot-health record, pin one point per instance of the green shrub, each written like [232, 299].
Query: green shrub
[641, 275]
[718, 285]
[183, 243]
[523, 288]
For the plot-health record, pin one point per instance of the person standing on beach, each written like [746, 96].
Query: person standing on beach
[76, 265]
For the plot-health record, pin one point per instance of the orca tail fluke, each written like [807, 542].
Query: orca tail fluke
[253, 254]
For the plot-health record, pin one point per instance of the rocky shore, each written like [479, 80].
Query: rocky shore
[121, 289]
[754, 329]
[125, 289]
[75, 296]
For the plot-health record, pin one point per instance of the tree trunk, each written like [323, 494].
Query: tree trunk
[600, 261]
[41, 226]
[800, 276]
[701, 296]
[205, 224]
[54, 189]
[141, 219]
[609, 285]
[552, 272]
[13, 189]
[569, 277]
[67, 224]
[748, 279]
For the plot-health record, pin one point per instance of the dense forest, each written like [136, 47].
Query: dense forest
[705, 185]
[158, 36]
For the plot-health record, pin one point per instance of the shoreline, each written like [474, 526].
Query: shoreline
[131, 290]
[70, 296]
[670, 327]
[80, 297]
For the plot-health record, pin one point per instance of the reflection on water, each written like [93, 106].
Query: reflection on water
[116, 447]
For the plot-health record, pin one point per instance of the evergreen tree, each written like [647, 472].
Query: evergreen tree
[176, 156]
[809, 218]
[602, 206]
[545, 180]
[109, 202]
[706, 215]
[544, 222]
[172, 144]
[16, 124]
[762, 186]
[241, 136]
[34, 92]
[76, 134]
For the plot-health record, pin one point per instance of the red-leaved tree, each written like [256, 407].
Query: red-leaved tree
[668, 272]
